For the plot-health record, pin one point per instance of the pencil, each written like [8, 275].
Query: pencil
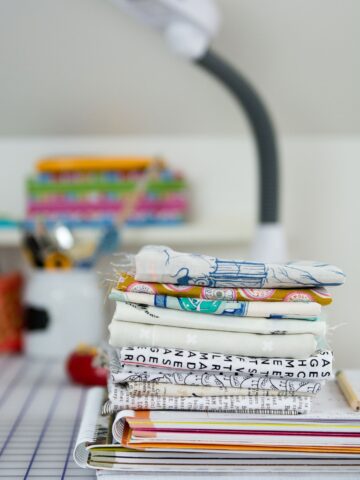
[347, 390]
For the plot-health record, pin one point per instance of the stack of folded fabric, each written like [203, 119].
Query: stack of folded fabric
[193, 332]
[93, 191]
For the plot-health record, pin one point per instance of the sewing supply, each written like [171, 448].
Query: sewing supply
[43, 236]
[107, 244]
[33, 250]
[82, 369]
[63, 236]
[55, 260]
[349, 384]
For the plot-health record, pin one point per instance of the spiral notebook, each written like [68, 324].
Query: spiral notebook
[184, 450]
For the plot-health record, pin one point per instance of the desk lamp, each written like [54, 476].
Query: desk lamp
[188, 27]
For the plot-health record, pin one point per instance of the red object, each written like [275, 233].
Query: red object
[11, 313]
[81, 369]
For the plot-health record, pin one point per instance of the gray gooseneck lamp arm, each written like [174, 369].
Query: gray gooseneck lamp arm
[263, 129]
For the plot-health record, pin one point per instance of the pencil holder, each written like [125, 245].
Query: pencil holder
[62, 309]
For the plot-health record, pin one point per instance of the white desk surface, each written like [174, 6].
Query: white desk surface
[40, 412]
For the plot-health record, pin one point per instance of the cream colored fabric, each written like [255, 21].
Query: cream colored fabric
[127, 334]
[131, 312]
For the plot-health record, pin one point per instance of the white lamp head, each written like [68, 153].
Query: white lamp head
[188, 25]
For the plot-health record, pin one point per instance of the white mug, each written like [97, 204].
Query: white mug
[63, 308]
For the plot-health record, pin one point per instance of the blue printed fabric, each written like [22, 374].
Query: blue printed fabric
[161, 264]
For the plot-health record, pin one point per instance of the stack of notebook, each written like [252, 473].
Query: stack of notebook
[328, 439]
[212, 355]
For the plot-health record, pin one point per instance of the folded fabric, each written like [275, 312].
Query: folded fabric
[119, 399]
[127, 334]
[132, 312]
[301, 310]
[148, 389]
[119, 374]
[127, 283]
[222, 381]
[317, 367]
[157, 263]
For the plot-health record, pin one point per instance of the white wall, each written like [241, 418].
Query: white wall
[82, 66]
[320, 201]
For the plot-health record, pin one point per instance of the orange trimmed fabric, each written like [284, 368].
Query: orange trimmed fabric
[127, 283]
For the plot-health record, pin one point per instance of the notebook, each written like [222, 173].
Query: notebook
[164, 441]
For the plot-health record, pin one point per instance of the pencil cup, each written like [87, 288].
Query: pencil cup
[62, 309]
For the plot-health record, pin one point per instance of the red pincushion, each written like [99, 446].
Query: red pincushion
[81, 370]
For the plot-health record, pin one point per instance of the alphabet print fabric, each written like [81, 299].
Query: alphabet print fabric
[221, 380]
[316, 367]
